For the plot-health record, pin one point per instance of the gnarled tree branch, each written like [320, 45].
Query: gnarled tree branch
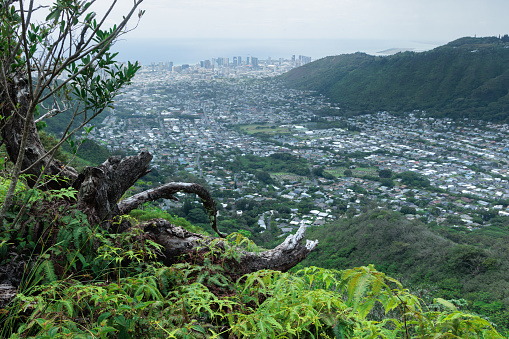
[177, 241]
[167, 191]
[281, 258]
[100, 189]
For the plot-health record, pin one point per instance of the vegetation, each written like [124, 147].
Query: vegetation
[275, 163]
[93, 284]
[440, 262]
[467, 78]
[83, 260]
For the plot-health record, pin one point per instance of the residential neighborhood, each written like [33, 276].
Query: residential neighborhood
[205, 122]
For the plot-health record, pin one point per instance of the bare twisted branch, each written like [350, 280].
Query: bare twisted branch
[167, 191]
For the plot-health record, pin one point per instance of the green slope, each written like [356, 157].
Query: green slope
[468, 77]
[448, 262]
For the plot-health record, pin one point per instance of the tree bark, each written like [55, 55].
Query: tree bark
[283, 257]
[101, 187]
[7, 293]
[13, 111]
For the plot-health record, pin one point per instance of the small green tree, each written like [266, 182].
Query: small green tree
[34, 57]
[408, 210]
[385, 173]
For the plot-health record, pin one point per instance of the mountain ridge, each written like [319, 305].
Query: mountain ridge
[466, 78]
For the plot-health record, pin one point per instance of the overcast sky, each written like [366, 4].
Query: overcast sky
[419, 20]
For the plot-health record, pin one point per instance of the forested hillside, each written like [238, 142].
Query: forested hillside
[451, 263]
[468, 77]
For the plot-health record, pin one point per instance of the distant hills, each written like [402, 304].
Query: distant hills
[467, 78]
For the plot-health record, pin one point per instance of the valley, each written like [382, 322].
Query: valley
[233, 135]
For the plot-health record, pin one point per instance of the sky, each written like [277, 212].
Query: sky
[418, 20]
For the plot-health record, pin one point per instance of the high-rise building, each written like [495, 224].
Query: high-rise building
[239, 60]
[254, 62]
[206, 64]
[235, 61]
[304, 59]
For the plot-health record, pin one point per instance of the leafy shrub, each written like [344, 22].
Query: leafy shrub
[312, 302]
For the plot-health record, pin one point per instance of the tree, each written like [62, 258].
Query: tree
[32, 58]
[66, 60]
[408, 210]
[413, 179]
[198, 215]
[264, 177]
[385, 173]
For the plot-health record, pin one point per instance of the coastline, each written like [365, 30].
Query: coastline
[192, 51]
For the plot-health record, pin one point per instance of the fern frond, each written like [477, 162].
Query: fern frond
[80, 236]
[219, 280]
[357, 286]
[49, 271]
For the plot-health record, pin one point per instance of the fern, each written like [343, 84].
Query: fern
[48, 270]
[219, 280]
[81, 235]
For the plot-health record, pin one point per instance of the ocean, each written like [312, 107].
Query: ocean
[192, 51]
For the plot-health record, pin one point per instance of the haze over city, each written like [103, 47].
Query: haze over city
[434, 20]
[187, 31]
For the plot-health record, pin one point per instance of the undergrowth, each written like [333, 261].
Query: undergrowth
[82, 282]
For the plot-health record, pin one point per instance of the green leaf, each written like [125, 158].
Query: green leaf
[53, 15]
[53, 332]
[198, 328]
[364, 308]
[446, 303]
[103, 316]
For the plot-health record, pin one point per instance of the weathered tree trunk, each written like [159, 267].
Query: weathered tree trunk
[7, 293]
[178, 241]
[283, 257]
[100, 188]
[13, 111]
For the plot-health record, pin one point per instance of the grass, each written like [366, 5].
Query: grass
[356, 172]
[289, 176]
[337, 172]
[265, 129]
